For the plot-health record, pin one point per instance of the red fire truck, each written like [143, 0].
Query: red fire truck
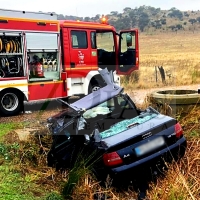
[45, 58]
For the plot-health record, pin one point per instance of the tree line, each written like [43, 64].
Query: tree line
[146, 18]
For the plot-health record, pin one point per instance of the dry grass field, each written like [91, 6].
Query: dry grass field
[179, 54]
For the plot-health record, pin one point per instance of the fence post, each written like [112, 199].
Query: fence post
[156, 72]
[162, 73]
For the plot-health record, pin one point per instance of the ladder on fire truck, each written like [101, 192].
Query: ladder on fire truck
[28, 14]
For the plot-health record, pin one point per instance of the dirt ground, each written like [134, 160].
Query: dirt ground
[35, 118]
[138, 96]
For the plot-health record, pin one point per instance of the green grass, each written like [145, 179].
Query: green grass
[17, 160]
[7, 127]
[13, 186]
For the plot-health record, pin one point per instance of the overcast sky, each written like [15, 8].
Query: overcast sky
[83, 8]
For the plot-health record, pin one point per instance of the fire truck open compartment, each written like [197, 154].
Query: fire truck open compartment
[29, 45]
[11, 54]
[43, 56]
[38, 51]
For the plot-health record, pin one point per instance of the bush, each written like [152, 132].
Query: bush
[135, 76]
[54, 196]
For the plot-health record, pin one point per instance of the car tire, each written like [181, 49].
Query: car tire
[11, 103]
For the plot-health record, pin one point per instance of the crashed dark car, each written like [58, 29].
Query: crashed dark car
[108, 122]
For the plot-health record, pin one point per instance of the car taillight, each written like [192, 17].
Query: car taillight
[112, 159]
[178, 130]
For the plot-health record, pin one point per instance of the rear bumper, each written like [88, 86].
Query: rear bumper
[175, 151]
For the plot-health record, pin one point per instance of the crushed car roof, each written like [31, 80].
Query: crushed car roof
[99, 96]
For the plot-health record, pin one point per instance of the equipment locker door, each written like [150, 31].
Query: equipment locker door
[128, 52]
[43, 51]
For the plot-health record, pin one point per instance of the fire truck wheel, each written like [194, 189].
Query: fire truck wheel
[95, 85]
[10, 103]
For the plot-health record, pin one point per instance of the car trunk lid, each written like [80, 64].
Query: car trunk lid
[142, 140]
[155, 125]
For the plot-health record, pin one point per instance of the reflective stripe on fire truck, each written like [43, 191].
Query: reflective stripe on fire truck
[13, 85]
[45, 82]
[82, 68]
[21, 85]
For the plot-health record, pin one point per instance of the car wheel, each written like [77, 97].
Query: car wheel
[10, 103]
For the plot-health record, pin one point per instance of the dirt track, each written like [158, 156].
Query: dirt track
[138, 96]
[35, 116]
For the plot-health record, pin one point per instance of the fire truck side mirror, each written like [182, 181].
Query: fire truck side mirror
[129, 40]
[63, 76]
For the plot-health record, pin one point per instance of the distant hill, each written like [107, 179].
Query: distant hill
[148, 18]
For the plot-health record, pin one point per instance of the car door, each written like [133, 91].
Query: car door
[128, 52]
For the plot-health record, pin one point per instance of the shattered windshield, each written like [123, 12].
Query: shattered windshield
[125, 125]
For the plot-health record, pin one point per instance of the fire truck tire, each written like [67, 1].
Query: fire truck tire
[11, 103]
[95, 85]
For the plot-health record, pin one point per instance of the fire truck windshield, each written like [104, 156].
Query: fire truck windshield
[106, 50]
[105, 41]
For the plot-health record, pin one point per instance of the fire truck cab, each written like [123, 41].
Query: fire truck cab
[45, 58]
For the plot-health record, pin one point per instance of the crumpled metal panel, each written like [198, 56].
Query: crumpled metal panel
[101, 95]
